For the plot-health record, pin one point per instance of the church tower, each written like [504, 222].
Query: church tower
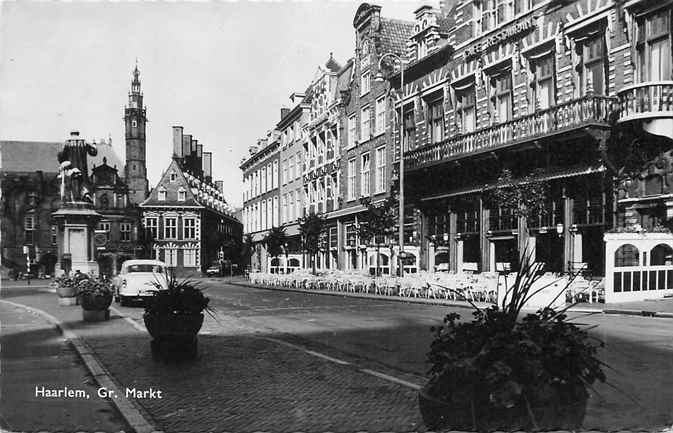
[135, 119]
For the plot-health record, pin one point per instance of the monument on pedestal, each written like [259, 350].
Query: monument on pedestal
[76, 219]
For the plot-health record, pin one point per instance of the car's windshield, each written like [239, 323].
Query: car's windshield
[145, 268]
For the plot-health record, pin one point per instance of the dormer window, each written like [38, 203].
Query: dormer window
[182, 194]
[161, 194]
[422, 49]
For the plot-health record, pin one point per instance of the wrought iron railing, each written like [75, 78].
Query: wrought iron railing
[644, 100]
[557, 119]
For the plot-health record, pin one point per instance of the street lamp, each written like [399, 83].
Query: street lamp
[379, 78]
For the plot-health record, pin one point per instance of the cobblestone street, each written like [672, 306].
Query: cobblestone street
[287, 362]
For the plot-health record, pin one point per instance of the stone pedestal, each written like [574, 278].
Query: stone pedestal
[76, 222]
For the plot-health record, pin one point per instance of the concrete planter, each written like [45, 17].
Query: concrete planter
[67, 301]
[560, 411]
[95, 315]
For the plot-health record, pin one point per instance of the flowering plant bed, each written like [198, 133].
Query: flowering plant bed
[94, 295]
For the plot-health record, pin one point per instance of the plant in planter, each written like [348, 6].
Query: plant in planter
[95, 297]
[66, 288]
[504, 372]
[174, 316]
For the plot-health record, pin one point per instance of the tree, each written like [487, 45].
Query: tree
[377, 222]
[247, 249]
[310, 227]
[275, 241]
[524, 197]
[145, 243]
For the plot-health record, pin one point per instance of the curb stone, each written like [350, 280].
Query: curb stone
[134, 416]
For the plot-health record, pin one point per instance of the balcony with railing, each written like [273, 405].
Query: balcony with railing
[648, 100]
[560, 119]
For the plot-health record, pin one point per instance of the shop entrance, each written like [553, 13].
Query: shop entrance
[504, 254]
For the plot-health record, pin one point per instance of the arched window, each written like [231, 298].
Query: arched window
[294, 262]
[662, 254]
[627, 255]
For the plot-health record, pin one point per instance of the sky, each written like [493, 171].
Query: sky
[222, 70]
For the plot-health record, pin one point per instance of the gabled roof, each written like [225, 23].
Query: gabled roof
[171, 189]
[198, 193]
[395, 34]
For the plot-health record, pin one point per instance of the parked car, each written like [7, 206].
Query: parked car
[138, 280]
[214, 270]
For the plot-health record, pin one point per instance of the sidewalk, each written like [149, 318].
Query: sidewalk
[35, 356]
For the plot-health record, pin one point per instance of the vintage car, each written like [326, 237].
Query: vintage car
[139, 279]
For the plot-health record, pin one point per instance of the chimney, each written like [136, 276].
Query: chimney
[284, 111]
[219, 184]
[186, 146]
[199, 158]
[177, 142]
[207, 164]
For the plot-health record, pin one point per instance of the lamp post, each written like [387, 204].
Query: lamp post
[379, 78]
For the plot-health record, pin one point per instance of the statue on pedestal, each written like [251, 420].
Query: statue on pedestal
[73, 169]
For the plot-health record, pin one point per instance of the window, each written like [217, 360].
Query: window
[466, 108]
[436, 120]
[290, 208]
[351, 179]
[409, 127]
[125, 232]
[364, 124]
[545, 94]
[189, 257]
[54, 233]
[170, 228]
[182, 194]
[171, 257]
[497, 12]
[502, 85]
[29, 227]
[161, 195]
[351, 131]
[151, 224]
[381, 169]
[134, 123]
[422, 49]
[364, 175]
[654, 47]
[594, 64]
[173, 176]
[380, 121]
[293, 173]
[274, 179]
[298, 202]
[284, 176]
[275, 211]
[283, 210]
[520, 6]
[189, 231]
[365, 83]
[627, 255]
[105, 226]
